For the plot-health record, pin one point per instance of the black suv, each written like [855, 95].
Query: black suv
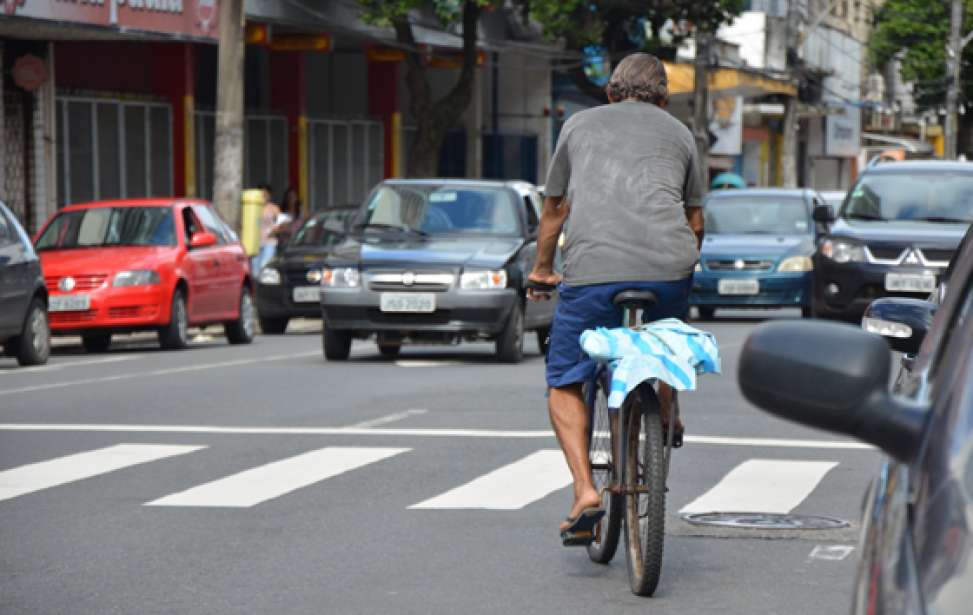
[24, 330]
[895, 234]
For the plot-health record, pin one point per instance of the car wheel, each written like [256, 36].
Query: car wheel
[510, 342]
[242, 330]
[706, 313]
[389, 351]
[543, 339]
[33, 345]
[337, 344]
[96, 342]
[273, 326]
[175, 335]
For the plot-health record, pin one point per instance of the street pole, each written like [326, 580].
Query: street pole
[788, 155]
[701, 102]
[954, 52]
[228, 155]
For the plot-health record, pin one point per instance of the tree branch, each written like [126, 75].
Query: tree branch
[458, 98]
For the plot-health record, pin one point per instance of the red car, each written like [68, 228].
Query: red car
[144, 265]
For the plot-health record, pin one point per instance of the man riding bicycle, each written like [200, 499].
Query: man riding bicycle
[624, 187]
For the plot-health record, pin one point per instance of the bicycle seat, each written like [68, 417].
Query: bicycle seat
[643, 299]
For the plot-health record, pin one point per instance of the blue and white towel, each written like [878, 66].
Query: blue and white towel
[668, 350]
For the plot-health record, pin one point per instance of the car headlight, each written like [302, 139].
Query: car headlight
[698, 268]
[886, 328]
[483, 280]
[269, 276]
[136, 277]
[340, 277]
[795, 264]
[841, 251]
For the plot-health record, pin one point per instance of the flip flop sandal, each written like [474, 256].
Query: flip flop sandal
[581, 530]
[676, 435]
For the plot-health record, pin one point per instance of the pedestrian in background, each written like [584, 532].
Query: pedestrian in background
[291, 206]
[269, 219]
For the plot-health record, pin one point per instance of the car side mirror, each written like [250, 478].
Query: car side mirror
[902, 322]
[830, 376]
[823, 214]
[204, 239]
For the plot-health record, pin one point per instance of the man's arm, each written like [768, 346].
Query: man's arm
[553, 215]
[695, 217]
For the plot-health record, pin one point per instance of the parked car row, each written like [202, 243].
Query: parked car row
[893, 235]
[109, 267]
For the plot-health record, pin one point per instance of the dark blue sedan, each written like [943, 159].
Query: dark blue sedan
[757, 251]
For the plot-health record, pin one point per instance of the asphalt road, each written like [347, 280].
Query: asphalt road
[260, 479]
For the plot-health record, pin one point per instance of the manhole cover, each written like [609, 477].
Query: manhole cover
[765, 521]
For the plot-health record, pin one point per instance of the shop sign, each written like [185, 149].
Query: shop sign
[195, 19]
[726, 123]
[29, 72]
[842, 137]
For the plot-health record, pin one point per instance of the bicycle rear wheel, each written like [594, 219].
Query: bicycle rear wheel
[602, 453]
[645, 497]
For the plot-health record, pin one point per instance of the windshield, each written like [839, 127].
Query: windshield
[321, 230]
[935, 197]
[765, 215]
[109, 226]
[438, 209]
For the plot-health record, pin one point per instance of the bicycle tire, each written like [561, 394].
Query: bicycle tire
[645, 511]
[602, 450]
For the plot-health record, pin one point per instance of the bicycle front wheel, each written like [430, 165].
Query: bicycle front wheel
[602, 453]
[645, 491]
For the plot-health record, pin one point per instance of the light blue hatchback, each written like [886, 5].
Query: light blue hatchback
[757, 251]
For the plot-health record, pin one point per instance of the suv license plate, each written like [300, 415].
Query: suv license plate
[910, 282]
[422, 303]
[738, 287]
[306, 294]
[68, 303]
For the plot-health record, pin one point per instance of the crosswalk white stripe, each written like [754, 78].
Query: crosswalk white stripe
[762, 485]
[53, 472]
[271, 480]
[508, 488]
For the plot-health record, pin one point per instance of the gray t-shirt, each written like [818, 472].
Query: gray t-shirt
[629, 170]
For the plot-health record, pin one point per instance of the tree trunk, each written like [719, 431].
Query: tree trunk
[435, 118]
[701, 104]
[228, 155]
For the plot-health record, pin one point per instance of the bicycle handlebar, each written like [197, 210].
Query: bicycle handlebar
[539, 287]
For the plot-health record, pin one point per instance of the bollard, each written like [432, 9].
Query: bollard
[252, 203]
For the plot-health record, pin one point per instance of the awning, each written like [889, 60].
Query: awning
[910, 145]
[726, 81]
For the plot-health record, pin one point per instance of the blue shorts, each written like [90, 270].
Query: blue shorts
[587, 307]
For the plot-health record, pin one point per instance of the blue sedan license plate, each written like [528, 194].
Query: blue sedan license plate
[421, 303]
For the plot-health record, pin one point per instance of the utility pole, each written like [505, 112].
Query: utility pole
[954, 54]
[788, 165]
[701, 102]
[228, 155]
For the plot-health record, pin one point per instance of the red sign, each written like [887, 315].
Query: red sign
[195, 19]
[29, 72]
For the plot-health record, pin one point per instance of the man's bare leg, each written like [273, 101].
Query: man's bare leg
[569, 417]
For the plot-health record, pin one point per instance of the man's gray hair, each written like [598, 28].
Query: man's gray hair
[641, 76]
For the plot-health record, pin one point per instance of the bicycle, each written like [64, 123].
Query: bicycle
[630, 452]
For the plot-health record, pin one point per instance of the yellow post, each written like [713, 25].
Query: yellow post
[252, 204]
[396, 139]
[764, 159]
[302, 164]
[189, 135]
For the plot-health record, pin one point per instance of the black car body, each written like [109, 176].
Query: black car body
[436, 261]
[894, 235]
[24, 330]
[288, 286]
[917, 527]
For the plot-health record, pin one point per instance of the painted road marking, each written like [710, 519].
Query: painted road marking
[266, 482]
[508, 488]
[70, 468]
[831, 553]
[50, 367]
[762, 485]
[157, 372]
[424, 363]
[390, 418]
[442, 433]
